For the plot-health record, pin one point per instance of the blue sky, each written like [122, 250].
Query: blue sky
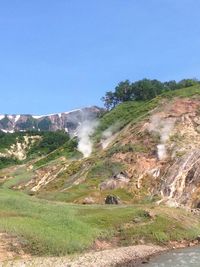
[57, 55]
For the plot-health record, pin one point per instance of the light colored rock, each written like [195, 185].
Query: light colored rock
[105, 258]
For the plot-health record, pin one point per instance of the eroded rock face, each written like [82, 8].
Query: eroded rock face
[172, 129]
[119, 180]
[181, 182]
[88, 201]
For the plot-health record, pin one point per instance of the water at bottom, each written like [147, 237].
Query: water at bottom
[187, 257]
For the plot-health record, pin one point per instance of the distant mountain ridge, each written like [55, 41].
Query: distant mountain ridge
[68, 121]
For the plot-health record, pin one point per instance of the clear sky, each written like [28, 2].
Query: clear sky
[57, 55]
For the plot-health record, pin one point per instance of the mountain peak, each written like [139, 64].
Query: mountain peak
[68, 121]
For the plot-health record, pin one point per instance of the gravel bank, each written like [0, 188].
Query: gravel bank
[123, 256]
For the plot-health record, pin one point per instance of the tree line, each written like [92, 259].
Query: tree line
[145, 89]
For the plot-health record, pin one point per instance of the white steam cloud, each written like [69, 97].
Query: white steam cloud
[109, 135]
[85, 130]
[162, 126]
[161, 151]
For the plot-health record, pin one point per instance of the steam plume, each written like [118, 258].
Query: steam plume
[162, 126]
[109, 135]
[85, 130]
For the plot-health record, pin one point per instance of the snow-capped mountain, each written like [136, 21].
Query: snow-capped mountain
[68, 121]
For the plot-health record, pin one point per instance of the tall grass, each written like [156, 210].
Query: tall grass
[53, 228]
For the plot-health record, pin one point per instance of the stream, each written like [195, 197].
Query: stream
[187, 257]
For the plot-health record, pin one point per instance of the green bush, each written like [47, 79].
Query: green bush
[49, 142]
[68, 150]
[6, 162]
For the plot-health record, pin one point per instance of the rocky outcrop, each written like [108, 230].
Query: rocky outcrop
[88, 201]
[119, 180]
[181, 182]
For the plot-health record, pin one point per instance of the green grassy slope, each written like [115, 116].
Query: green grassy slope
[133, 111]
[50, 228]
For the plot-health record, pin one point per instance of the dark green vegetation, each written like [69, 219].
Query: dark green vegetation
[49, 142]
[142, 90]
[8, 139]
[67, 150]
[5, 162]
[49, 145]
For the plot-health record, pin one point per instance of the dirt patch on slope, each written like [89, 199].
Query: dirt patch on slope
[10, 248]
[182, 106]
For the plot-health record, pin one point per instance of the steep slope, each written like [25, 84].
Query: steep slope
[143, 152]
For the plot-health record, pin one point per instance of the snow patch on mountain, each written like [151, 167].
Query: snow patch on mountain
[2, 117]
[67, 121]
[17, 118]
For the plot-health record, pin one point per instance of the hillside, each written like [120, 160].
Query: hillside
[21, 147]
[141, 141]
[144, 153]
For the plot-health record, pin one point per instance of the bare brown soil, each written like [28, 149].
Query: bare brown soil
[10, 248]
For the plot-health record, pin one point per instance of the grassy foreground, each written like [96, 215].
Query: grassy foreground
[56, 228]
[53, 228]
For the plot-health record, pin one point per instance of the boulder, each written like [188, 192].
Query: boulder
[113, 200]
[88, 200]
[119, 180]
